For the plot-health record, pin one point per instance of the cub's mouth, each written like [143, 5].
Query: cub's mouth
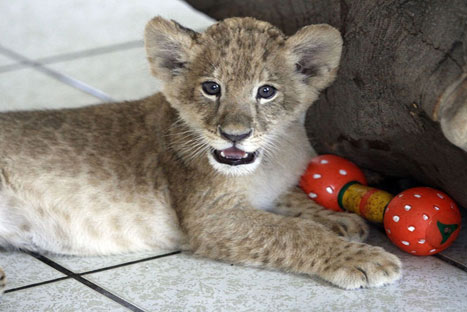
[234, 156]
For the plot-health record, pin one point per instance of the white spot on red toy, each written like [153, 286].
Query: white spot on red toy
[388, 230]
[440, 195]
[329, 190]
[323, 161]
[312, 195]
[411, 228]
[407, 207]
[425, 217]
[421, 241]
[342, 172]
[436, 207]
[396, 218]
[417, 195]
[433, 250]
[406, 243]
[316, 176]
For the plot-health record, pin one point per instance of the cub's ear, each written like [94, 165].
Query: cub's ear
[316, 51]
[168, 45]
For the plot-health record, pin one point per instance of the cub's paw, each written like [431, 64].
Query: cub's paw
[364, 266]
[348, 225]
[2, 281]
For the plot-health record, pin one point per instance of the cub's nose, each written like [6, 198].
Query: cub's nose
[235, 137]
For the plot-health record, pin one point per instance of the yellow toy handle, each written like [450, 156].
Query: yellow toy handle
[365, 201]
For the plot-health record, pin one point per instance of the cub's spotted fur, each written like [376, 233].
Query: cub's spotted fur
[208, 165]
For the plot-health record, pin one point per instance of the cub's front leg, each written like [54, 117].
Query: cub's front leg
[226, 228]
[297, 204]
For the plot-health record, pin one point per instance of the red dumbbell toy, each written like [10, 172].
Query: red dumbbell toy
[421, 221]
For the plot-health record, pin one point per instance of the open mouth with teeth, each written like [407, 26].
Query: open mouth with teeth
[234, 156]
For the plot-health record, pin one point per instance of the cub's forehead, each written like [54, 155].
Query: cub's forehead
[245, 29]
[240, 45]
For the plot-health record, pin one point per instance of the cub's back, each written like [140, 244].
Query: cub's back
[116, 136]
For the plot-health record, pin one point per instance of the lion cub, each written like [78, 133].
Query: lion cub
[209, 165]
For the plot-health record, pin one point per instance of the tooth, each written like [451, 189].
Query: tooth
[222, 154]
[245, 155]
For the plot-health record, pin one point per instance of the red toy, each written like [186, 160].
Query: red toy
[326, 175]
[421, 221]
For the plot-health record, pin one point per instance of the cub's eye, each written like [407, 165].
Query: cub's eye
[266, 92]
[211, 88]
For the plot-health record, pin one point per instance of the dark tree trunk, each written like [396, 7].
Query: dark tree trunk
[403, 70]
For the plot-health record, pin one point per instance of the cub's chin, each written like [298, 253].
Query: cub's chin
[234, 162]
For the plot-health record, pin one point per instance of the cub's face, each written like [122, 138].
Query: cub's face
[238, 85]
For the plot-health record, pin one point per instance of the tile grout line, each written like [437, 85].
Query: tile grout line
[12, 67]
[130, 263]
[451, 261]
[75, 83]
[74, 55]
[93, 271]
[91, 52]
[37, 284]
[86, 282]
[59, 76]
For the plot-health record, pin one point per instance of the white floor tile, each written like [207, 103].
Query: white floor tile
[63, 296]
[22, 269]
[30, 89]
[86, 264]
[44, 28]
[184, 283]
[124, 75]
